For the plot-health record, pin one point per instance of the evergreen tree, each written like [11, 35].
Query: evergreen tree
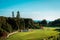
[12, 14]
[18, 15]
[18, 20]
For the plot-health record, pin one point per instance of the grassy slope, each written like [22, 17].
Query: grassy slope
[33, 35]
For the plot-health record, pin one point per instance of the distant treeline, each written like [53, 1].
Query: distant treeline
[55, 23]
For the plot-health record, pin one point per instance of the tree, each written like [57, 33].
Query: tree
[18, 15]
[9, 27]
[44, 22]
[12, 14]
[28, 23]
[55, 23]
[18, 20]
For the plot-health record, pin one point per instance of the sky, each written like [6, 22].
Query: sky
[35, 9]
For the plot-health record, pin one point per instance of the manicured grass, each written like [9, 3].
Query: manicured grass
[35, 34]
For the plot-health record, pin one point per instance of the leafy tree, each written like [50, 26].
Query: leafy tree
[44, 22]
[28, 23]
[9, 27]
[55, 23]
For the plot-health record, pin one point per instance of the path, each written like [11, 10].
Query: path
[11, 33]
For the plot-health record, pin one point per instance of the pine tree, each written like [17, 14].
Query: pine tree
[12, 14]
[18, 20]
[18, 15]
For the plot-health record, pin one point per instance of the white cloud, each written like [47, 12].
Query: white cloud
[48, 15]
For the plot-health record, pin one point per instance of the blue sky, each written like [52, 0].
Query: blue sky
[35, 9]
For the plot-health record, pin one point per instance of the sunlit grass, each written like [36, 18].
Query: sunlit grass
[37, 34]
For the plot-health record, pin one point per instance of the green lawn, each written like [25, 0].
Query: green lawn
[37, 34]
